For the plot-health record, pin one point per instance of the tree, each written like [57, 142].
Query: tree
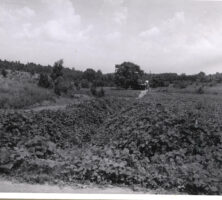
[99, 75]
[89, 74]
[128, 75]
[57, 70]
[201, 77]
[58, 79]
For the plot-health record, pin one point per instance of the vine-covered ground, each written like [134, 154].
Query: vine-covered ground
[162, 141]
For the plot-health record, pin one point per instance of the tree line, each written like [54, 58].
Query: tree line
[83, 78]
[127, 75]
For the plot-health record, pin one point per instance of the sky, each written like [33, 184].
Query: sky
[182, 36]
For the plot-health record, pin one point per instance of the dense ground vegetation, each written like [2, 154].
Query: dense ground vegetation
[171, 139]
[162, 141]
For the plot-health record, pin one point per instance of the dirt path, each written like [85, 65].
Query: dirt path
[59, 103]
[52, 107]
[10, 186]
[142, 94]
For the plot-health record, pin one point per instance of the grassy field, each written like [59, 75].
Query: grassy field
[16, 94]
[193, 89]
[20, 90]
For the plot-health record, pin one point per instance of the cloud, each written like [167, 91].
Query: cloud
[44, 33]
[113, 36]
[179, 42]
[152, 32]
[114, 2]
[62, 23]
[59, 22]
[25, 12]
[120, 16]
[172, 37]
[177, 19]
[169, 27]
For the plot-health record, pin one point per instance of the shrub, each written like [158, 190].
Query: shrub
[77, 85]
[93, 90]
[98, 83]
[61, 86]
[44, 81]
[4, 73]
[212, 84]
[97, 93]
[180, 84]
[85, 83]
[200, 90]
[32, 72]
[154, 83]
[101, 93]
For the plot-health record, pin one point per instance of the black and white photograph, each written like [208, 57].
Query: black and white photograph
[111, 97]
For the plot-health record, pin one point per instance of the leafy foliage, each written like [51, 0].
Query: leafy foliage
[200, 90]
[4, 73]
[127, 75]
[57, 70]
[161, 141]
[44, 81]
[97, 93]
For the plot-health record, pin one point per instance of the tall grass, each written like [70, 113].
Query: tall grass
[16, 94]
[193, 89]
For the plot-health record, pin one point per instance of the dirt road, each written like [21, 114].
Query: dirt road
[11, 186]
[142, 94]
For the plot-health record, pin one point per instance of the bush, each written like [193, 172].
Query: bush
[77, 85]
[93, 90]
[212, 84]
[62, 86]
[98, 83]
[85, 83]
[44, 81]
[200, 90]
[154, 83]
[101, 93]
[97, 93]
[4, 73]
[180, 85]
